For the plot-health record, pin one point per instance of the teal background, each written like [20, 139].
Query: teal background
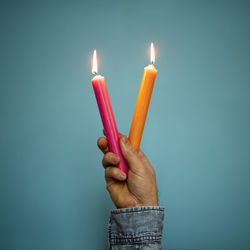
[197, 133]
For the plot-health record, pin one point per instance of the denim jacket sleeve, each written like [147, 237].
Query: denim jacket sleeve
[136, 228]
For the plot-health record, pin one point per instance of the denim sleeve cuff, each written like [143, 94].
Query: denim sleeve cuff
[138, 225]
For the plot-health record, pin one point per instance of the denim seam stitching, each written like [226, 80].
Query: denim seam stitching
[135, 211]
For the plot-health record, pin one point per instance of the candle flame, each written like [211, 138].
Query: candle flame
[152, 52]
[94, 67]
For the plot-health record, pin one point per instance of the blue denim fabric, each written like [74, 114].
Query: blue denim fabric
[136, 228]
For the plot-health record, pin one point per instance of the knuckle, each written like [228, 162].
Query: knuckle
[106, 158]
[130, 149]
[103, 161]
[108, 187]
[107, 172]
[112, 171]
[153, 173]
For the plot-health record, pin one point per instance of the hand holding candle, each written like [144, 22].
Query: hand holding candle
[142, 104]
[107, 115]
[140, 188]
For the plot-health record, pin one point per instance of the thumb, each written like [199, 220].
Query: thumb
[129, 152]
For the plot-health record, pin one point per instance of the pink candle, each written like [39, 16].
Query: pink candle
[106, 112]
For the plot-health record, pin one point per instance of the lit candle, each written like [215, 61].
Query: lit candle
[107, 116]
[142, 104]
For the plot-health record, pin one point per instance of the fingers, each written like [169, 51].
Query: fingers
[114, 173]
[110, 159]
[103, 144]
[129, 152]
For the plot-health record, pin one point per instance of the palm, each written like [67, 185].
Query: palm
[121, 192]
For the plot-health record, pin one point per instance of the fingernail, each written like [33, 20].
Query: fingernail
[125, 139]
[115, 158]
[123, 175]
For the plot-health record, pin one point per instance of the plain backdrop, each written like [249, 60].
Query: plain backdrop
[52, 188]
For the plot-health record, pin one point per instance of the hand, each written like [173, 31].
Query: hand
[139, 187]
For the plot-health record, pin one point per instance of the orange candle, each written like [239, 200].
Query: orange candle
[142, 104]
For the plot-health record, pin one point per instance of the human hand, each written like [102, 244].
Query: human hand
[139, 187]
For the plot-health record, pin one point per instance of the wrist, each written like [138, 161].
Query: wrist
[148, 204]
[153, 201]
